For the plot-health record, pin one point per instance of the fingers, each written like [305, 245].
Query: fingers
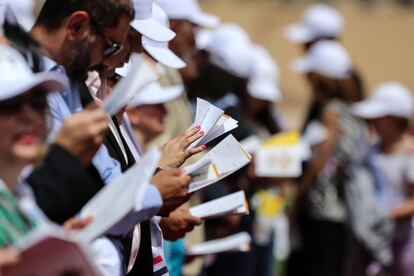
[77, 224]
[197, 150]
[8, 256]
[192, 136]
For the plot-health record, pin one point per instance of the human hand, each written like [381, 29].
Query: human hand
[77, 223]
[8, 256]
[173, 187]
[175, 153]
[83, 133]
[179, 223]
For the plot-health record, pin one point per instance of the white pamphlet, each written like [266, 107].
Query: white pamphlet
[226, 158]
[233, 204]
[235, 243]
[212, 121]
[48, 250]
[136, 79]
[116, 200]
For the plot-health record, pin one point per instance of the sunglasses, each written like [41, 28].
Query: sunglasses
[37, 101]
[112, 48]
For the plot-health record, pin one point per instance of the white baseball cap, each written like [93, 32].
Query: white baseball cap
[388, 99]
[319, 21]
[16, 77]
[159, 50]
[155, 93]
[231, 50]
[326, 57]
[23, 10]
[145, 24]
[189, 10]
[264, 78]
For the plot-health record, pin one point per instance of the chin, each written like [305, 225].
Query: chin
[27, 153]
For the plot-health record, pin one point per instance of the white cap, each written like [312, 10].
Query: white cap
[159, 50]
[145, 24]
[388, 99]
[23, 10]
[16, 77]
[326, 57]
[188, 10]
[154, 93]
[319, 21]
[231, 50]
[264, 78]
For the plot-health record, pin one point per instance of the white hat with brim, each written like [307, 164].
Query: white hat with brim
[299, 33]
[154, 93]
[145, 23]
[205, 20]
[189, 10]
[389, 99]
[319, 21]
[16, 77]
[153, 29]
[160, 52]
[328, 58]
[265, 90]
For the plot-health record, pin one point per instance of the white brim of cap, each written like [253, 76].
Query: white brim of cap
[153, 29]
[205, 20]
[371, 110]
[264, 90]
[154, 93]
[164, 56]
[47, 82]
[299, 34]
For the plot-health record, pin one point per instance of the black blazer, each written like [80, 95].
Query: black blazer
[62, 185]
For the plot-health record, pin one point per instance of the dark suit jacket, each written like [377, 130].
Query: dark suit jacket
[62, 185]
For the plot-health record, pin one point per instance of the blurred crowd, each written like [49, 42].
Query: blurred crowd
[350, 212]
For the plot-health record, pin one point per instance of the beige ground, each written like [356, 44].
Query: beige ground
[380, 40]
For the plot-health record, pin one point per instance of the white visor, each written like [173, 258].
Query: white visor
[154, 93]
[160, 52]
[153, 29]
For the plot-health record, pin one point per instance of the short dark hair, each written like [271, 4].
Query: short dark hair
[104, 13]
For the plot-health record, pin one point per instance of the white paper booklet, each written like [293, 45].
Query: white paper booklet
[235, 243]
[251, 144]
[226, 157]
[212, 121]
[233, 204]
[50, 251]
[136, 79]
[118, 199]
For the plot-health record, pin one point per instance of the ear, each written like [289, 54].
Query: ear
[133, 117]
[78, 26]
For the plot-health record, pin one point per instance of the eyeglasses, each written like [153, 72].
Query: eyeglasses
[112, 48]
[36, 101]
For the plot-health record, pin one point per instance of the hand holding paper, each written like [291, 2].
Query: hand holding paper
[233, 204]
[213, 122]
[226, 158]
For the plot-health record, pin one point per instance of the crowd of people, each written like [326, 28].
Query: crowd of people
[348, 213]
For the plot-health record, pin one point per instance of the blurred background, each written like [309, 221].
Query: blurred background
[378, 35]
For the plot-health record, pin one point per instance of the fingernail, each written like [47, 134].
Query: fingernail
[201, 132]
[203, 147]
[197, 127]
